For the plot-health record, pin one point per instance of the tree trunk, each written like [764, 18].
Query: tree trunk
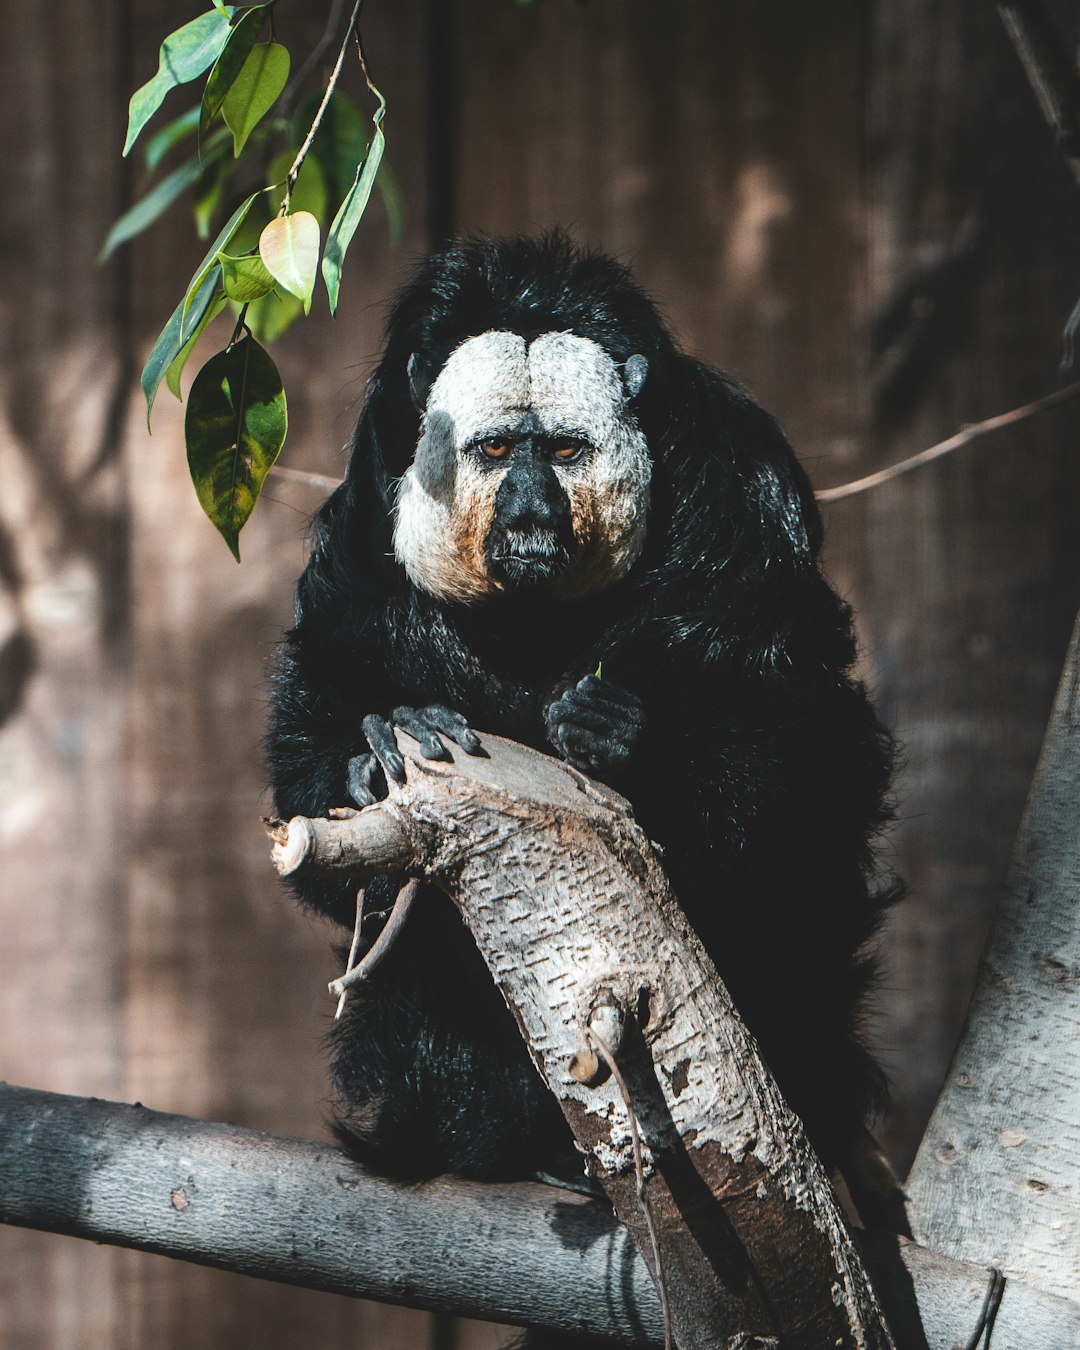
[997, 1177]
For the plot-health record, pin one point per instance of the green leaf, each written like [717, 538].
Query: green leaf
[289, 246]
[255, 90]
[147, 209]
[180, 360]
[229, 64]
[273, 315]
[235, 427]
[183, 322]
[188, 314]
[352, 208]
[309, 190]
[161, 142]
[183, 57]
[340, 143]
[393, 199]
[224, 239]
[245, 279]
[209, 191]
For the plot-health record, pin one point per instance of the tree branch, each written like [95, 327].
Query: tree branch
[1049, 67]
[573, 914]
[962, 437]
[302, 1213]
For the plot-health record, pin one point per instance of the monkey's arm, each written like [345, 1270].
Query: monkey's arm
[314, 735]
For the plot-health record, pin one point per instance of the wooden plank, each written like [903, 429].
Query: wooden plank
[997, 1177]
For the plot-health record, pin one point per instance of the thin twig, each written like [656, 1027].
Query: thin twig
[1048, 64]
[639, 1170]
[301, 154]
[353, 948]
[962, 437]
[321, 481]
[316, 54]
[390, 933]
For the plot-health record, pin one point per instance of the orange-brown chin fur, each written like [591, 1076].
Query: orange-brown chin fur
[472, 521]
[598, 560]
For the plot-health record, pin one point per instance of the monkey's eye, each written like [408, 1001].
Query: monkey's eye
[494, 448]
[565, 452]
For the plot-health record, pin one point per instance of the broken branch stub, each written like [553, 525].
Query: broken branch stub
[365, 844]
[572, 912]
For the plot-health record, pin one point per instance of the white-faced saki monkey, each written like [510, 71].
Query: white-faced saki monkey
[543, 486]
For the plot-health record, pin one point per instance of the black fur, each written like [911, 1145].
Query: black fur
[734, 724]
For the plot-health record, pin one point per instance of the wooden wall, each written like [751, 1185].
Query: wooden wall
[854, 208]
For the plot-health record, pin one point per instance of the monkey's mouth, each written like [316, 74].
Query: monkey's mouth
[527, 559]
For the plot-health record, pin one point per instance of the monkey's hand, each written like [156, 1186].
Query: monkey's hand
[367, 774]
[595, 725]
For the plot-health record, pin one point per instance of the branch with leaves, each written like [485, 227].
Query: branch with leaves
[263, 262]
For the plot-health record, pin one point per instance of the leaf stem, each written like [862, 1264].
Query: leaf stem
[301, 154]
[240, 329]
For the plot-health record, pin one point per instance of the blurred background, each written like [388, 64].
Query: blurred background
[855, 208]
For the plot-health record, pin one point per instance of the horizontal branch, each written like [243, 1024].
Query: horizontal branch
[302, 1213]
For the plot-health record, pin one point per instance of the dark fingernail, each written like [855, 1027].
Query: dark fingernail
[436, 750]
[470, 743]
[394, 765]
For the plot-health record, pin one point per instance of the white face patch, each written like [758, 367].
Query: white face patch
[496, 385]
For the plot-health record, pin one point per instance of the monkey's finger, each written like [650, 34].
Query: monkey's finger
[380, 736]
[362, 779]
[588, 748]
[452, 724]
[603, 694]
[572, 712]
[414, 721]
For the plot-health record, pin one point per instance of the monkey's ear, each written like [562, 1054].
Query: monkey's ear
[634, 372]
[419, 381]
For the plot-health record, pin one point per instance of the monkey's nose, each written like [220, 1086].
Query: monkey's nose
[530, 497]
